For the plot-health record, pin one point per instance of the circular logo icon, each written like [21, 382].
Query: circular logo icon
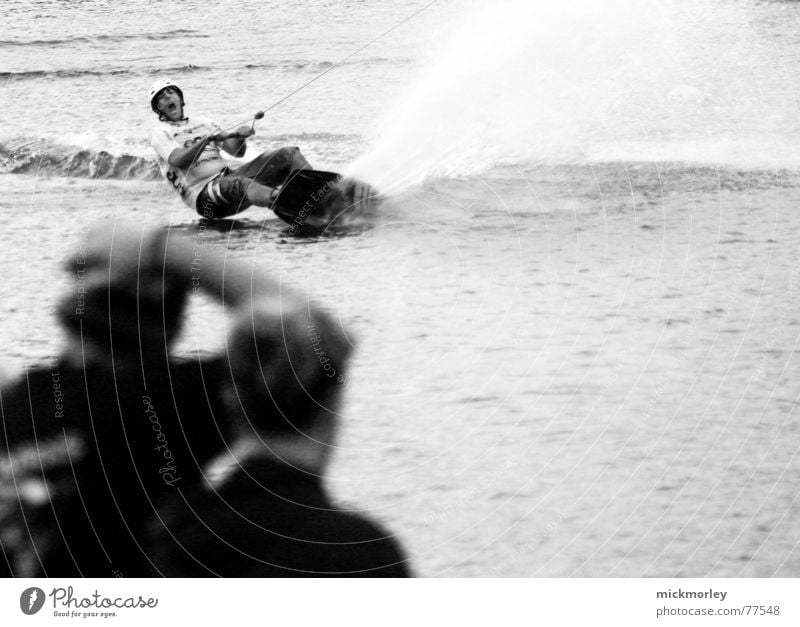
[31, 600]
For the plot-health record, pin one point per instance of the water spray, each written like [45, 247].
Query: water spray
[260, 114]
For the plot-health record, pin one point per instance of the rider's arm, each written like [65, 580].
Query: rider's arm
[184, 157]
[232, 142]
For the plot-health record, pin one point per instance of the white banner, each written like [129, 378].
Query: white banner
[406, 603]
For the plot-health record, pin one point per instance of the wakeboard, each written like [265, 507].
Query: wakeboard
[313, 200]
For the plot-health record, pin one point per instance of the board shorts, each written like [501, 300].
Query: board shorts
[226, 194]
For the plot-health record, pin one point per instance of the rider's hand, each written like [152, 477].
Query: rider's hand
[244, 132]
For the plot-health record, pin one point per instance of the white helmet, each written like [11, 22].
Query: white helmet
[157, 87]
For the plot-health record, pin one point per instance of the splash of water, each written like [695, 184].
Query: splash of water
[543, 82]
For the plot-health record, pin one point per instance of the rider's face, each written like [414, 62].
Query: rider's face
[168, 103]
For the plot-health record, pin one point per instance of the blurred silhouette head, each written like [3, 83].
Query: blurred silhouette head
[119, 305]
[288, 366]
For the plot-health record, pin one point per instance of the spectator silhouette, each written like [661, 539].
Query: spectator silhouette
[265, 511]
[91, 441]
[233, 447]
